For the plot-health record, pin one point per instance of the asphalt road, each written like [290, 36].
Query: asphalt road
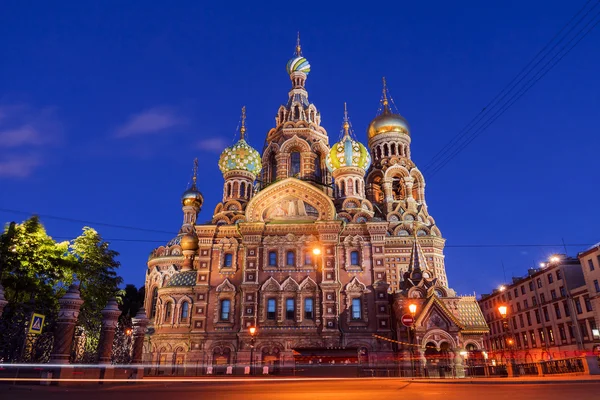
[311, 390]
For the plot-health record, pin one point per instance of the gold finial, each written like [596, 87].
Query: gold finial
[195, 174]
[243, 128]
[298, 48]
[385, 99]
[346, 122]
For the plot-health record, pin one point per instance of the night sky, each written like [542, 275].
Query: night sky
[104, 105]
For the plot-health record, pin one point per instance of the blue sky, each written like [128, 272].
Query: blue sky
[104, 105]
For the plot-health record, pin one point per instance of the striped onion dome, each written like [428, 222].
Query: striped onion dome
[298, 64]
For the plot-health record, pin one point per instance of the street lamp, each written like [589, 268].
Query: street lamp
[554, 259]
[252, 331]
[503, 310]
[412, 308]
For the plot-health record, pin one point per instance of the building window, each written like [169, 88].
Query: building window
[521, 321]
[271, 309]
[571, 331]
[591, 264]
[290, 258]
[563, 292]
[531, 286]
[537, 316]
[318, 173]
[509, 296]
[542, 298]
[225, 309]
[518, 306]
[272, 167]
[532, 334]
[289, 308]
[272, 258]
[168, 310]
[354, 258]
[546, 316]
[308, 309]
[562, 333]
[228, 260]
[525, 304]
[578, 306]
[514, 322]
[534, 301]
[539, 282]
[516, 293]
[528, 318]
[308, 258]
[588, 304]
[185, 310]
[550, 278]
[356, 309]
[558, 275]
[295, 161]
[153, 303]
[525, 343]
[522, 289]
[566, 307]
[551, 335]
[596, 285]
[557, 310]
[542, 338]
[553, 294]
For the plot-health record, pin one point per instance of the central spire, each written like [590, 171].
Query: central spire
[243, 127]
[195, 173]
[384, 100]
[346, 121]
[298, 47]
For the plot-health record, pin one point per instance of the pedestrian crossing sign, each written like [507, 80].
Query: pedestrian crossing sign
[37, 323]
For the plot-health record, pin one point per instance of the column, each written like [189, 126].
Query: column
[3, 301]
[459, 369]
[140, 323]
[69, 306]
[110, 318]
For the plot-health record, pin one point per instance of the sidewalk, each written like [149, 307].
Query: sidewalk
[512, 381]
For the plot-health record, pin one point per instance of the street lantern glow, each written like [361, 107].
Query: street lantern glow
[554, 259]
[316, 251]
[252, 330]
[502, 288]
[510, 341]
[502, 310]
[542, 265]
[412, 308]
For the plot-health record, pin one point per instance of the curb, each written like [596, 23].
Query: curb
[485, 382]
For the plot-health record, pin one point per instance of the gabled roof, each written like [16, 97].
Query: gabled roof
[434, 302]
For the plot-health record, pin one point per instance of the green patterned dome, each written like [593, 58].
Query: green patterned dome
[348, 153]
[240, 157]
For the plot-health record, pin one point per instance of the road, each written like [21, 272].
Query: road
[346, 389]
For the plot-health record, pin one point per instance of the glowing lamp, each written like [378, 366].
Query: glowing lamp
[316, 251]
[503, 310]
[252, 330]
[412, 308]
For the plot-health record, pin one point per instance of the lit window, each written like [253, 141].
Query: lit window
[295, 161]
[271, 309]
[185, 310]
[228, 260]
[308, 308]
[290, 258]
[225, 309]
[356, 309]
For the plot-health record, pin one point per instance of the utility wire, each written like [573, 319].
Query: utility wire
[83, 221]
[435, 162]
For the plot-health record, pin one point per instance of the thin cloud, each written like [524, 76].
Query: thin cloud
[19, 167]
[215, 144]
[152, 121]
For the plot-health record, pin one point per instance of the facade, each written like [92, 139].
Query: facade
[590, 263]
[318, 246]
[549, 314]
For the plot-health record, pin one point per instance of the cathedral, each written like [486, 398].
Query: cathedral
[314, 255]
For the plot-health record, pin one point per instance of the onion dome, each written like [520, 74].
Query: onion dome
[387, 122]
[192, 196]
[189, 241]
[241, 156]
[298, 63]
[348, 152]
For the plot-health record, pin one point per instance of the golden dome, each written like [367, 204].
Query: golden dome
[386, 123]
[189, 242]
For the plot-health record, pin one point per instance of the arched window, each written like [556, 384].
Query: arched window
[393, 149]
[354, 258]
[272, 258]
[290, 309]
[296, 112]
[229, 190]
[356, 308]
[225, 309]
[308, 308]
[318, 172]
[228, 262]
[343, 189]
[272, 167]
[168, 311]
[154, 300]
[356, 191]
[386, 151]
[243, 189]
[271, 309]
[295, 163]
[290, 258]
[185, 310]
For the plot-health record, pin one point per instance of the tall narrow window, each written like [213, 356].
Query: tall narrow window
[295, 163]
[272, 258]
[225, 309]
[308, 258]
[153, 303]
[308, 309]
[272, 168]
[318, 173]
[290, 258]
[356, 309]
[289, 309]
[228, 260]
[168, 310]
[185, 310]
[271, 309]
[354, 258]
[243, 189]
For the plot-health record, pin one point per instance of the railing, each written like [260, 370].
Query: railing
[526, 369]
[566, 366]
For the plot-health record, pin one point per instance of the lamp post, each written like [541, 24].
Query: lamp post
[412, 308]
[252, 331]
[503, 310]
